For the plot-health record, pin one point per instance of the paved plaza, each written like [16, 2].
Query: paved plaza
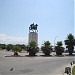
[38, 65]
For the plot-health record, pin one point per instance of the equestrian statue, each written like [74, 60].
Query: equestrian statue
[33, 28]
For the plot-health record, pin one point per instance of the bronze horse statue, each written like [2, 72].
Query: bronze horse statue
[33, 27]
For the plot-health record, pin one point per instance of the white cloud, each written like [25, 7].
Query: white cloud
[12, 39]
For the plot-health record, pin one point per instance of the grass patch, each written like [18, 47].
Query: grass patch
[73, 71]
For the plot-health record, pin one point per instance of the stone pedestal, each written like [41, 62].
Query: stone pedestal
[33, 36]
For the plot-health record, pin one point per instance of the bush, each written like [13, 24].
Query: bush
[16, 49]
[59, 49]
[46, 48]
[73, 71]
[70, 43]
[32, 48]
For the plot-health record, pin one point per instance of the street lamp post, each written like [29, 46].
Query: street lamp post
[55, 40]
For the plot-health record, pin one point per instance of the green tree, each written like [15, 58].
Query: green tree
[32, 48]
[70, 43]
[9, 47]
[59, 49]
[46, 48]
[23, 46]
[3, 46]
[16, 49]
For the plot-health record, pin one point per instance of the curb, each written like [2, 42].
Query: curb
[65, 74]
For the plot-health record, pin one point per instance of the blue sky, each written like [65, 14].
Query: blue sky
[54, 18]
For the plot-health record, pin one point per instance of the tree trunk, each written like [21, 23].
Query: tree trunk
[15, 53]
[31, 54]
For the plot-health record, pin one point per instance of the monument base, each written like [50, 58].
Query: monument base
[33, 36]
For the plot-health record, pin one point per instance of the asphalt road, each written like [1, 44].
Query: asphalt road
[33, 65]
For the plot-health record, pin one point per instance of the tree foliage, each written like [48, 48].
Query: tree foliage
[59, 49]
[3, 46]
[70, 43]
[9, 47]
[32, 48]
[46, 48]
[16, 49]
